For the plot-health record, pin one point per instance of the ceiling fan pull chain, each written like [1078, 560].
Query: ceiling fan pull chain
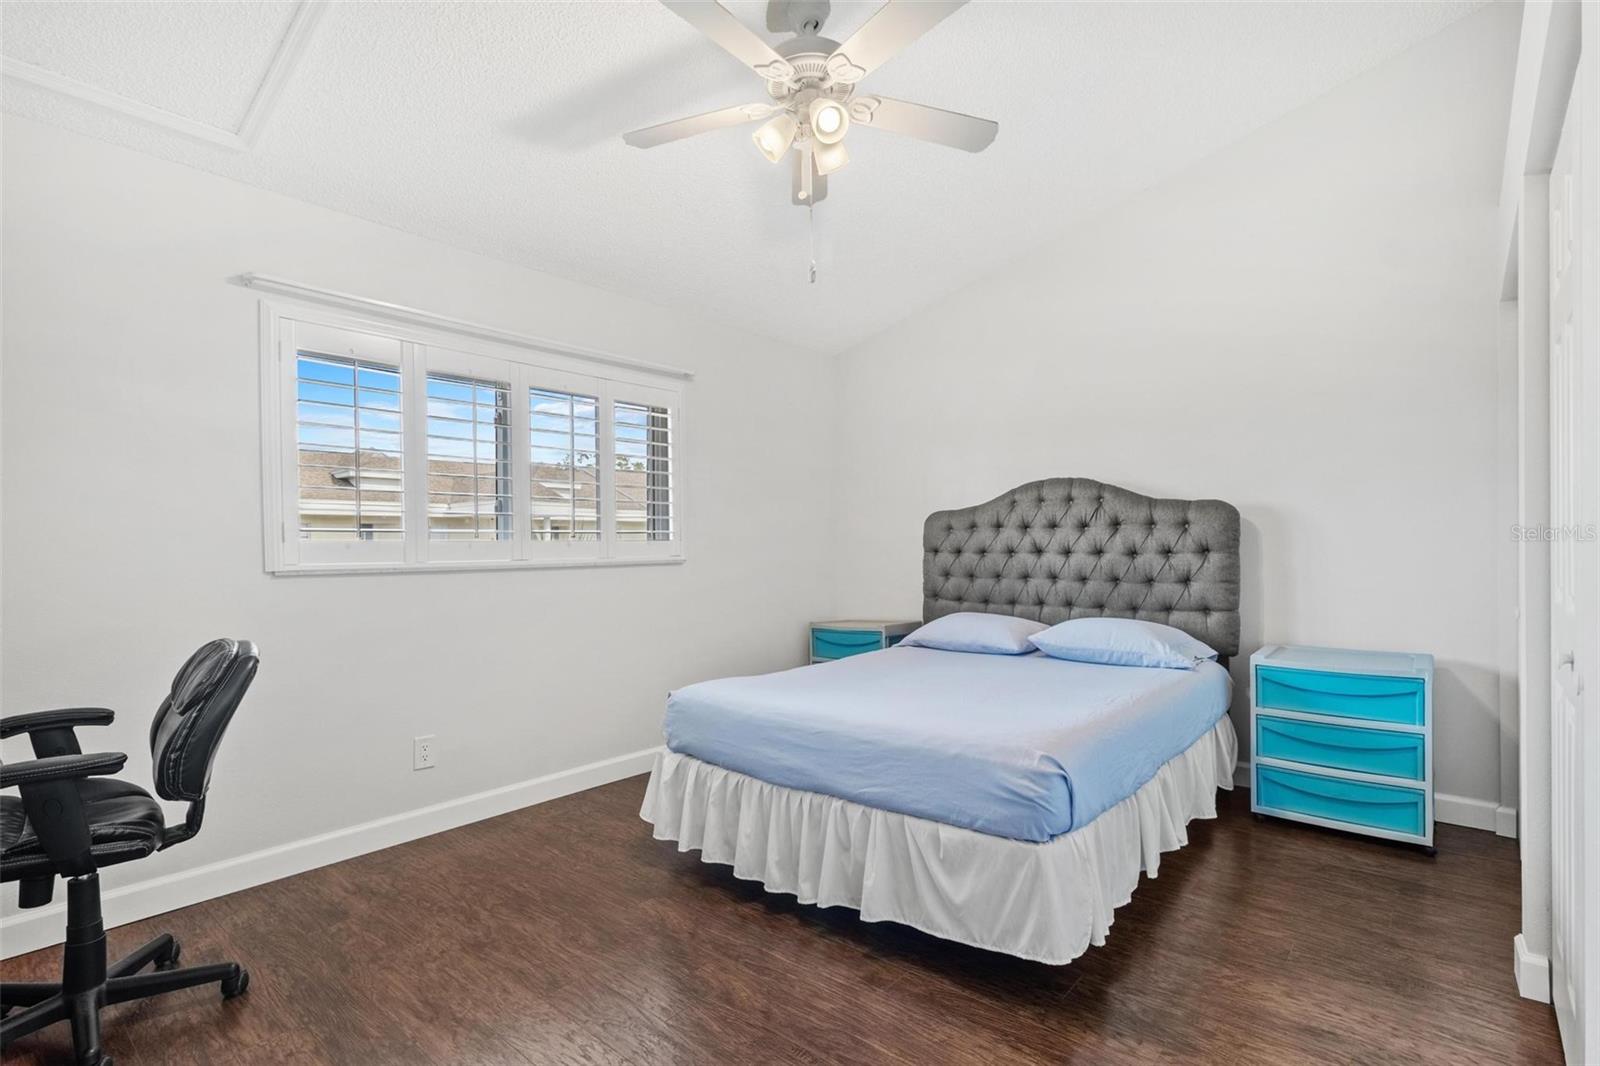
[811, 226]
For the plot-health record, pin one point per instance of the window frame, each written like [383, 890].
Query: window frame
[448, 362]
[369, 348]
[648, 396]
[416, 351]
[569, 549]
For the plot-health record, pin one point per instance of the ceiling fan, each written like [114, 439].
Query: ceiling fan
[812, 81]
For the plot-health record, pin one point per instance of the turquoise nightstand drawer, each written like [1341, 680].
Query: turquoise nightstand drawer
[838, 643]
[1367, 751]
[1359, 803]
[1400, 700]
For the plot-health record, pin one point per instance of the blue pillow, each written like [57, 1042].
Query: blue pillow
[1123, 642]
[986, 634]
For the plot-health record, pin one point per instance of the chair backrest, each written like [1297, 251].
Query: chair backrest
[189, 726]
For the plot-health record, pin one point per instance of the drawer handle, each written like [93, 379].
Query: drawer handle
[1375, 802]
[1402, 746]
[1405, 690]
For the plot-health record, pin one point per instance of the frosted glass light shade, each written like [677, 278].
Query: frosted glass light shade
[775, 136]
[829, 120]
[830, 157]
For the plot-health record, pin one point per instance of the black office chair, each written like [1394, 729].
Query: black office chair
[69, 823]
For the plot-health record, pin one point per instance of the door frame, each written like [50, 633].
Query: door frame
[1588, 92]
[1531, 946]
[1575, 586]
[1552, 37]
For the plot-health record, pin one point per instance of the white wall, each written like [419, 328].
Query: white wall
[132, 528]
[1304, 325]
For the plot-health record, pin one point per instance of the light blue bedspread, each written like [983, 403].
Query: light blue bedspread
[1027, 746]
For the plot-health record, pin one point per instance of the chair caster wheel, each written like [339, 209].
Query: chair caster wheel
[236, 985]
[94, 1058]
[169, 961]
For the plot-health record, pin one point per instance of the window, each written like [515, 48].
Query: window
[643, 478]
[469, 459]
[391, 447]
[563, 470]
[347, 429]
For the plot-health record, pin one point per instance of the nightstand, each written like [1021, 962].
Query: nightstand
[1344, 739]
[838, 640]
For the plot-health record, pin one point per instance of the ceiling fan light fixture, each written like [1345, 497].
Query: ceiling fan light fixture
[811, 82]
[830, 157]
[829, 120]
[776, 135]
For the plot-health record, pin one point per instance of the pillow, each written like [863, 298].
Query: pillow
[1123, 642]
[986, 634]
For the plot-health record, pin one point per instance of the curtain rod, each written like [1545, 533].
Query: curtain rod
[418, 317]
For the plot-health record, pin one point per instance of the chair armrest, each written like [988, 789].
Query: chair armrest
[60, 768]
[65, 717]
[52, 796]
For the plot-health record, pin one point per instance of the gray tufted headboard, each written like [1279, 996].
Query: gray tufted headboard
[1069, 547]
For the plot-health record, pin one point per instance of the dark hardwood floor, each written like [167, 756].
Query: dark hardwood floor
[565, 934]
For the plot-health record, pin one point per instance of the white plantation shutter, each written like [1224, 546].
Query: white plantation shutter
[341, 493]
[563, 465]
[393, 451]
[348, 439]
[469, 458]
[643, 476]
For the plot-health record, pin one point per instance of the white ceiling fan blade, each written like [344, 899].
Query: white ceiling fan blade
[923, 122]
[678, 129]
[719, 24]
[897, 24]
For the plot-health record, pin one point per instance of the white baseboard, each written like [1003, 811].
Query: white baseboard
[1452, 810]
[1463, 810]
[1532, 971]
[34, 929]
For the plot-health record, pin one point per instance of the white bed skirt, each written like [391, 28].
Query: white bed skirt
[1046, 902]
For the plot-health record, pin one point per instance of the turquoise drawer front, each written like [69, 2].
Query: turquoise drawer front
[838, 643]
[1378, 699]
[1367, 751]
[1399, 810]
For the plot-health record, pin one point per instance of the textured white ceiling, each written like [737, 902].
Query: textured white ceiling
[201, 61]
[496, 127]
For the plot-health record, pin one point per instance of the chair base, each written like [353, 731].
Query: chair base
[87, 984]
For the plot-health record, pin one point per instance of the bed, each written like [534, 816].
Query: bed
[1005, 802]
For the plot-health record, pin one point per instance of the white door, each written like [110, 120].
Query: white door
[1574, 597]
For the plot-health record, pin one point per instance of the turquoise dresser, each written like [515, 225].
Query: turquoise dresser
[838, 640]
[1344, 739]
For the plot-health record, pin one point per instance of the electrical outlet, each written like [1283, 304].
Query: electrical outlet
[422, 752]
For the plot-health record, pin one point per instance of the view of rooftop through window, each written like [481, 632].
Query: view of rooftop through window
[595, 474]
[643, 490]
[563, 465]
[347, 424]
[469, 459]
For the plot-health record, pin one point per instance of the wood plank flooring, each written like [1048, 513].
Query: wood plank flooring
[564, 934]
